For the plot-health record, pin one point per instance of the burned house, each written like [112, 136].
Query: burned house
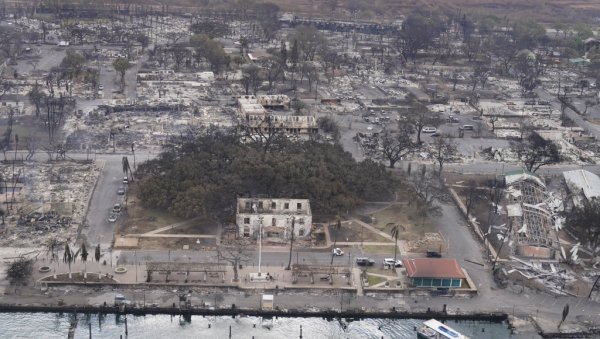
[13, 103]
[252, 111]
[276, 217]
[289, 124]
[530, 221]
[248, 106]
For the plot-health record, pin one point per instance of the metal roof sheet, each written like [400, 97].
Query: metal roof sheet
[584, 180]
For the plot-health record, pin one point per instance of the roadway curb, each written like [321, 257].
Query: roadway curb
[89, 202]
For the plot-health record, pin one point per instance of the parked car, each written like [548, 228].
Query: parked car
[365, 262]
[125, 180]
[112, 217]
[452, 118]
[530, 102]
[116, 208]
[428, 129]
[543, 103]
[338, 251]
[436, 134]
[100, 87]
[390, 262]
[121, 190]
[433, 254]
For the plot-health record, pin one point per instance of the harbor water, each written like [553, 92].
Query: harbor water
[58, 325]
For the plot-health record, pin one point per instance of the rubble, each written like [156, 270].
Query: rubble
[52, 201]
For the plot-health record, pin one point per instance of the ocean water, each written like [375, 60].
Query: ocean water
[56, 325]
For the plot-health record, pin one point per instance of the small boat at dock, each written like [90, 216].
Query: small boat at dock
[433, 329]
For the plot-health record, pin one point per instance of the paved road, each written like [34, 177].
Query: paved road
[588, 126]
[100, 230]
[270, 257]
[493, 167]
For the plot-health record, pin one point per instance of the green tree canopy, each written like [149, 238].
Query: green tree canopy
[121, 65]
[19, 271]
[202, 174]
[72, 64]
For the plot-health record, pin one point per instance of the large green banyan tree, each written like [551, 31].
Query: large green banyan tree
[202, 174]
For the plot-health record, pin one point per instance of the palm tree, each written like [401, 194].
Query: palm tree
[97, 257]
[14, 178]
[97, 253]
[52, 249]
[69, 257]
[395, 232]
[126, 167]
[289, 267]
[84, 255]
[336, 228]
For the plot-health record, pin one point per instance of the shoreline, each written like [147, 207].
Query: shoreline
[491, 317]
[233, 311]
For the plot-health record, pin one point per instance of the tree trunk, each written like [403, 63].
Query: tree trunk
[289, 267]
[235, 271]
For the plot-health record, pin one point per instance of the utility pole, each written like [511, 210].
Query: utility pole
[135, 256]
[260, 222]
[289, 267]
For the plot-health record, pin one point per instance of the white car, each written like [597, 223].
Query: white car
[338, 251]
[112, 218]
[428, 129]
[390, 262]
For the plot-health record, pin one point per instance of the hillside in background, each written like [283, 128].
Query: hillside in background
[375, 10]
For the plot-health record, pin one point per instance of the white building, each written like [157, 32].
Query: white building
[275, 216]
[583, 185]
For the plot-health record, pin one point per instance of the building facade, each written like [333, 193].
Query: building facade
[274, 217]
[435, 273]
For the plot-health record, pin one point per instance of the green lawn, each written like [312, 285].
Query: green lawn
[374, 280]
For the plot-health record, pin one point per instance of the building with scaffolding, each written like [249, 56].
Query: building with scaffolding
[530, 224]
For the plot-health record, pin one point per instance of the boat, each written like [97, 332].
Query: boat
[267, 322]
[433, 329]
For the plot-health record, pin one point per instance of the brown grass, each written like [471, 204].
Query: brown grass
[372, 249]
[141, 220]
[406, 216]
[354, 232]
[176, 244]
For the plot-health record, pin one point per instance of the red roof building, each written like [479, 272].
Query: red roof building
[434, 272]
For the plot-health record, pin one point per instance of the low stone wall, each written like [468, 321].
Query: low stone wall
[233, 311]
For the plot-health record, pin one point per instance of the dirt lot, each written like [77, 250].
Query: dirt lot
[141, 220]
[379, 249]
[354, 232]
[412, 224]
[176, 243]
